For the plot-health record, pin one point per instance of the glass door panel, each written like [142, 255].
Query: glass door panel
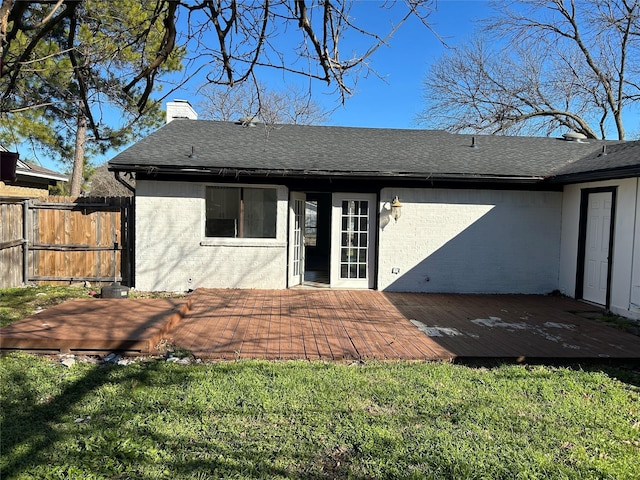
[296, 238]
[353, 231]
[353, 247]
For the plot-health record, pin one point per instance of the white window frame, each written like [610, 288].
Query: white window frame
[278, 241]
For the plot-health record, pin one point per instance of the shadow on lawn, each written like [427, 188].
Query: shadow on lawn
[623, 370]
[124, 439]
[627, 373]
[35, 427]
[101, 447]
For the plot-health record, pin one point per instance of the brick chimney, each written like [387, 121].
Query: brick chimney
[179, 109]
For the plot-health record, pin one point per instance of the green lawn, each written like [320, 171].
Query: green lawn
[19, 302]
[251, 419]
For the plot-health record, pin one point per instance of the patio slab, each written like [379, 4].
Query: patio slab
[331, 325]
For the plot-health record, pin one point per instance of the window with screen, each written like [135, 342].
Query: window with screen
[241, 212]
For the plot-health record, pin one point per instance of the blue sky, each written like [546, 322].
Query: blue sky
[395, 100]
[392, 101]
[393, 97]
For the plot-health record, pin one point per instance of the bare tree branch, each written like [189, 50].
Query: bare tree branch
[564, 64]
[166, 47]
[65, 62]
[271, 107]
[244, 30]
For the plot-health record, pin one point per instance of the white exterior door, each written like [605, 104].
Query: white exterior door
[596, 261]
[353, 230]
[296, 238]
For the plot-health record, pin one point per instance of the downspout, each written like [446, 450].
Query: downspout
[633, 246]
[130, 231]
[123, 182]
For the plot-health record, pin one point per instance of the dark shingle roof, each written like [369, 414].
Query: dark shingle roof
[345, 150]
[612, 159]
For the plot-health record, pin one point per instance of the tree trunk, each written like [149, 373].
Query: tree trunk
[78, 156]
[5, 9]
[620, 126]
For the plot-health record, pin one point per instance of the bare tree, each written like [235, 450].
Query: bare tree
[563, 65]
[103, 184]
[227, 39]
[61, 71]
[254, 100]
[72, 60]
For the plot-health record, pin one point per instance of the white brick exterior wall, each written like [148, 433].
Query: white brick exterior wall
[180, 109]
[465, 241]
[172, 253]
[470, 241]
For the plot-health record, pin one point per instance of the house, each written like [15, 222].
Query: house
[600, 234]
[25, 179]
[246, 205]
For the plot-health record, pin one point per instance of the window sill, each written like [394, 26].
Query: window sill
[243, 242]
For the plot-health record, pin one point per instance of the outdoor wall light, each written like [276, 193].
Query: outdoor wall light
[396, 208]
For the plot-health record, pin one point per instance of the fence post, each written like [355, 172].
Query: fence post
[25, 242]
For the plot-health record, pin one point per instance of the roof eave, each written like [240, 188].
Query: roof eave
[312, 173]
[47, 176]
[597, 175]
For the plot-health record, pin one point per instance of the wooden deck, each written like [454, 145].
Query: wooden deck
[96, 326]
[332, 325]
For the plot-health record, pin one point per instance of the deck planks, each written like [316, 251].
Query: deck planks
[330, 325]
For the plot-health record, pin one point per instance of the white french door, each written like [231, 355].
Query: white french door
[296, 238]
[596, 252]
[353, 231]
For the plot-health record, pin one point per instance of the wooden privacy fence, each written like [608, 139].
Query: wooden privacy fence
[64, 239]
[12, 240]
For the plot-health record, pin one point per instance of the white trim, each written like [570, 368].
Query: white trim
[296, 247]
[242, 242]
[336, 235]
[240, 185]
[58, 177]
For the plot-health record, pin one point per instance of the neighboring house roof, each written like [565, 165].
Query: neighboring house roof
[225, 148]
[32, 171]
